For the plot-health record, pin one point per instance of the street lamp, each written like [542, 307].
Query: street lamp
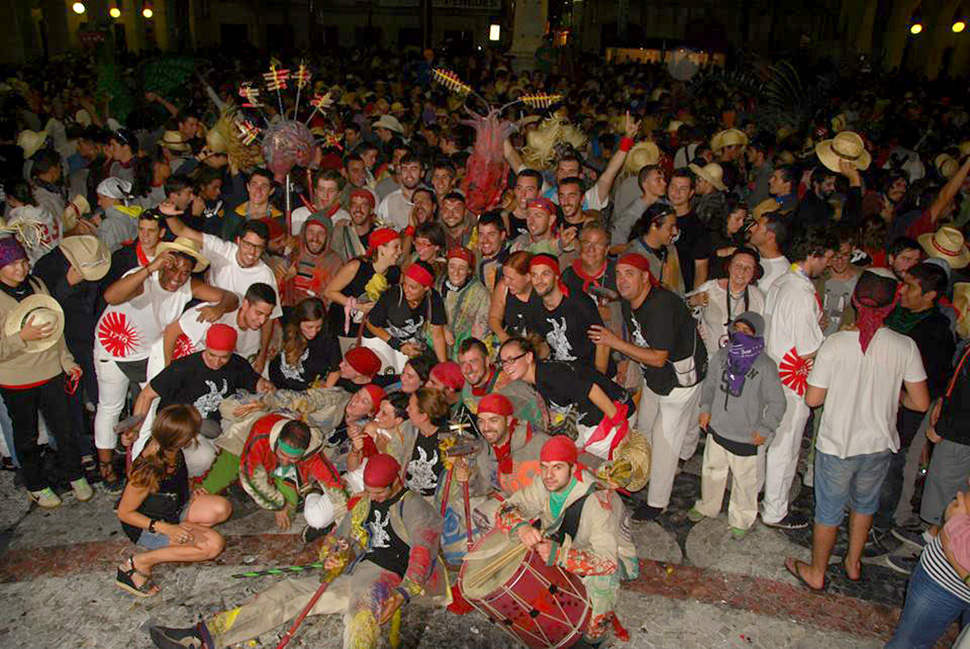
[495, 32]
[78, 8]
[147, 10]
[959, 21]
[114, 12]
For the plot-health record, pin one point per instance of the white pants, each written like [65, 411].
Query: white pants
[112, 392]
[743, 506]
[670, 423]
[781, 458]
[318, 510]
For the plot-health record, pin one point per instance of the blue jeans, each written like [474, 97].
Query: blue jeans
[928, 612]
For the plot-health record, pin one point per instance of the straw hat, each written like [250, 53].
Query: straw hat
[847, 146]
[729, 137]
[964, 148]
[187, 246]
[390, 123]
[43, 309]
[641, 155]
[946, 165]
[947, 244]
[173, 141]
[712, 173]
[766, 206]
[215, 142]
[88, 254]
[839, 123]
[78, 207]
[961, 302]
[31, 141]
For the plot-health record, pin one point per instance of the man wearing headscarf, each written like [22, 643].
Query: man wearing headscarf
[859, 374]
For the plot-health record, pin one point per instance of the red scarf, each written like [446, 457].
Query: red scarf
[503, 453]
[481, 392]
[588, 279]
[142, 257]
[869, 319]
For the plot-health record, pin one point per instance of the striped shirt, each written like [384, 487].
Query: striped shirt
[937, 566]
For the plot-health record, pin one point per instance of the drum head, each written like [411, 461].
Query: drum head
[479, 577]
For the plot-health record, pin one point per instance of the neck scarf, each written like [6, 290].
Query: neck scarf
[742, 353]
[903, 320]
[869, 319]
[503, 453]
[592, 278]
[558, 498]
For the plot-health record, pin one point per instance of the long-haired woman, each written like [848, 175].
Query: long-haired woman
[157, 510]
[310, 349]
[354, 290]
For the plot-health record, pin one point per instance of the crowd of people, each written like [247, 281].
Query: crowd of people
[651, 269]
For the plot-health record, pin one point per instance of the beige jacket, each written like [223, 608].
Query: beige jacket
[17, 366]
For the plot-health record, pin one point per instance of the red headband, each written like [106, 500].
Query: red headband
[363, 360]
[450, 374]
[376, 393]
[639, 262]
[542, 203]
[363, 193]
[221, 337]
[545, 260]
[496, 404]
[379, 237]
[460, 252]
[559, 449]
[420, 274]
[381, 471]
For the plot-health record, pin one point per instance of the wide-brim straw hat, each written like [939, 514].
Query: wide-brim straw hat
[31, 141]
[712, 173]
[961, 302]
[77, 208]
[215, 142]
[389, 122]
[187, 246]
[946, 165]
[173, 141]
[641, 155]
[947, 244]
[847, 146]
[767, 206]
[728, 137]
[88, 254]
[44, 310]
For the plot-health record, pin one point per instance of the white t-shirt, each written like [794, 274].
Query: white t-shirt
[714, 316]
[773, 269]
[395, 210]
[226, 273]
[301, 214]
[127, 331]
[791, 316]
[863, 390]
[194, 331]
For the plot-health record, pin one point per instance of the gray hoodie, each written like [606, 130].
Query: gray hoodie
[759, 408]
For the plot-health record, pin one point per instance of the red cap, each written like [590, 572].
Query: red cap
[542, 203]
[450, 374]
[559, 449]
[363, 360]
[420, 274]
[221, 337]
[460, 252]
[376, 393]
[379, 237]
[545, 260]
[381, 471]
[497, 404]
[275, 227]
[363, 193]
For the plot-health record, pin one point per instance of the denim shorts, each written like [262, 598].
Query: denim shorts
[855, 481]
[157, 540]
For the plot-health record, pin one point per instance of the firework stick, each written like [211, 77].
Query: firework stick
[285, 640]
[278, 571]
[447, 489]
[468, 513]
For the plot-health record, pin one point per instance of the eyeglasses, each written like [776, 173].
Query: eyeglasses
[508, 361]
[255, 247]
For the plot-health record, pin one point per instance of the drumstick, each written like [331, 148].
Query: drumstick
[468, 514]
[496, 565]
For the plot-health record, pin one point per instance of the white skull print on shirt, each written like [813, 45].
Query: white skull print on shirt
[409, 331]
[558, 341]
[209, 402]
[379, 538]
[422, 473]
[294, 372]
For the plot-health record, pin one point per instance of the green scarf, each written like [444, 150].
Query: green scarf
[903, 320]
[558, 498]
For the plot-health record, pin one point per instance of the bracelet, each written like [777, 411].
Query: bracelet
[626, 143]
[405, 593]
[151, 525]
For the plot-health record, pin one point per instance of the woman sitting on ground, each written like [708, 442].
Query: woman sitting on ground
[311, 352]
[157, 510]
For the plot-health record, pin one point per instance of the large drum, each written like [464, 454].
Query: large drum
[543, 607]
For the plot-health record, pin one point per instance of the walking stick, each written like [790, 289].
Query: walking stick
[446, 490]
[468, 514]
[285, 640]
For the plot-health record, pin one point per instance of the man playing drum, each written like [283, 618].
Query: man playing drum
[584, 530]
[398, 532]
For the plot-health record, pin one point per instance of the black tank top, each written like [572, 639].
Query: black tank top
[355, 289]
[167, 502]
[516, 311]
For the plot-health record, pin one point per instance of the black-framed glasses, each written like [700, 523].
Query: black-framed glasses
[508, 361]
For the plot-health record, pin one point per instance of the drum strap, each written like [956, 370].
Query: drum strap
[569, 521]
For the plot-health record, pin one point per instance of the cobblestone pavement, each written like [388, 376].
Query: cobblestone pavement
[699, 588]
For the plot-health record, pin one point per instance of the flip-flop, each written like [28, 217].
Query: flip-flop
[848, 576]
[791, 565]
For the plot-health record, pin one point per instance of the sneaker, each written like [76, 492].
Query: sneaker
[880, 542]
[694, 516]
[902, 565]
[45, 498]
[311, 534]
[914, 539]
[82, 490]
[645, 512]
[738, 533]
[792, 521]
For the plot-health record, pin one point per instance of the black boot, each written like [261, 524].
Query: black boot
[193, 637]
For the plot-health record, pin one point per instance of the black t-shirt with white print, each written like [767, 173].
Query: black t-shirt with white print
[565, 329]
[663, 322]
[566, 386]
[386, 548]
[425, 465]
[393, 313]
[190, 381]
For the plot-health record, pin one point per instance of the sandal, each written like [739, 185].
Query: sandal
[109, 477]
[125, 582]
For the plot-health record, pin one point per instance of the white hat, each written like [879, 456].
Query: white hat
[390, 123]
[113, 187]
[44, 310]
[88, 255]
